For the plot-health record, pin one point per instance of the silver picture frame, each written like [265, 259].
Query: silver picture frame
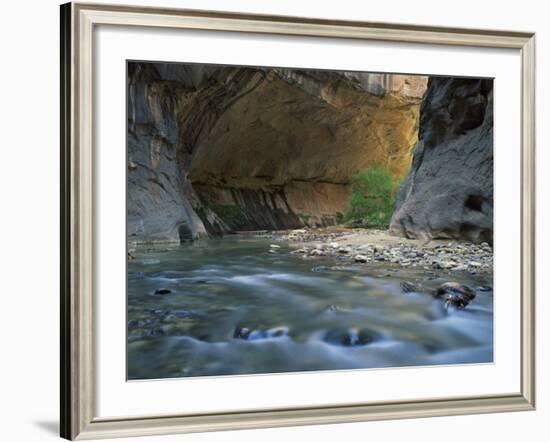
[78, 21]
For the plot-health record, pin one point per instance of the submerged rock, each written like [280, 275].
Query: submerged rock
[241, 332]
[351, 337]
[409, 287]
[254, 335]
[163, 291]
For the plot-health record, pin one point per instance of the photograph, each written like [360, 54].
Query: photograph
[294, 220]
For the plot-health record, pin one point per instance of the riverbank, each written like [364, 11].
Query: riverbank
[364, 246]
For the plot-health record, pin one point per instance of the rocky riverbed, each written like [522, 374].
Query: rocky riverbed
[368, 246]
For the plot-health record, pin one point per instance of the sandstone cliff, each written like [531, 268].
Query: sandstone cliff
[215, 149]
[448, 192]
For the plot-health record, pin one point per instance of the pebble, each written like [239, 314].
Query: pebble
[446, 264]
[460, 268]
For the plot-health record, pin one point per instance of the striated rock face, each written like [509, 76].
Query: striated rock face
[215, 149]
[159, 202]
[448, 192]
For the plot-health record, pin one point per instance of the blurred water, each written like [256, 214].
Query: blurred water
[237, 306]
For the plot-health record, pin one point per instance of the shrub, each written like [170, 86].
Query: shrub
[372, 196]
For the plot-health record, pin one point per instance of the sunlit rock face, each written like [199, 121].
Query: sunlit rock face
[215, 149]
[448, 192]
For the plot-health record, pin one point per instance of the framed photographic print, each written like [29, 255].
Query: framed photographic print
[273, 220]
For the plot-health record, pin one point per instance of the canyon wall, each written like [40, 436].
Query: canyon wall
[448, 192]
[218, 149]
[159, 196]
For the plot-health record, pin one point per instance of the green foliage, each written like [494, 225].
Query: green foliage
[372, 197]
[232, 215]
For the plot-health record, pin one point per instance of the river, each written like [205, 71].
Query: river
[238, 306]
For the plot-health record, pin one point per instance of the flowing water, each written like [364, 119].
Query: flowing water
[238, 306]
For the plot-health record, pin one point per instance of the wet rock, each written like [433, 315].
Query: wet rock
[317, 252]
[445, 264]
[241, 332]
[255, 335]
[360, 258]
[460, 268]
[351, 337]
[162, 291]
[154, 332]
[409, 287]
[277, 332]
[484, 288]
[332, 308]
[452, 293]
[455, 294]
[137, 323]
[335, 309]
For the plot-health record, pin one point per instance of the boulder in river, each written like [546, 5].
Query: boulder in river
[455, 294]
[452, 293]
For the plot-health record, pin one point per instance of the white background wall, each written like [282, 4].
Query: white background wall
[29, 313]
